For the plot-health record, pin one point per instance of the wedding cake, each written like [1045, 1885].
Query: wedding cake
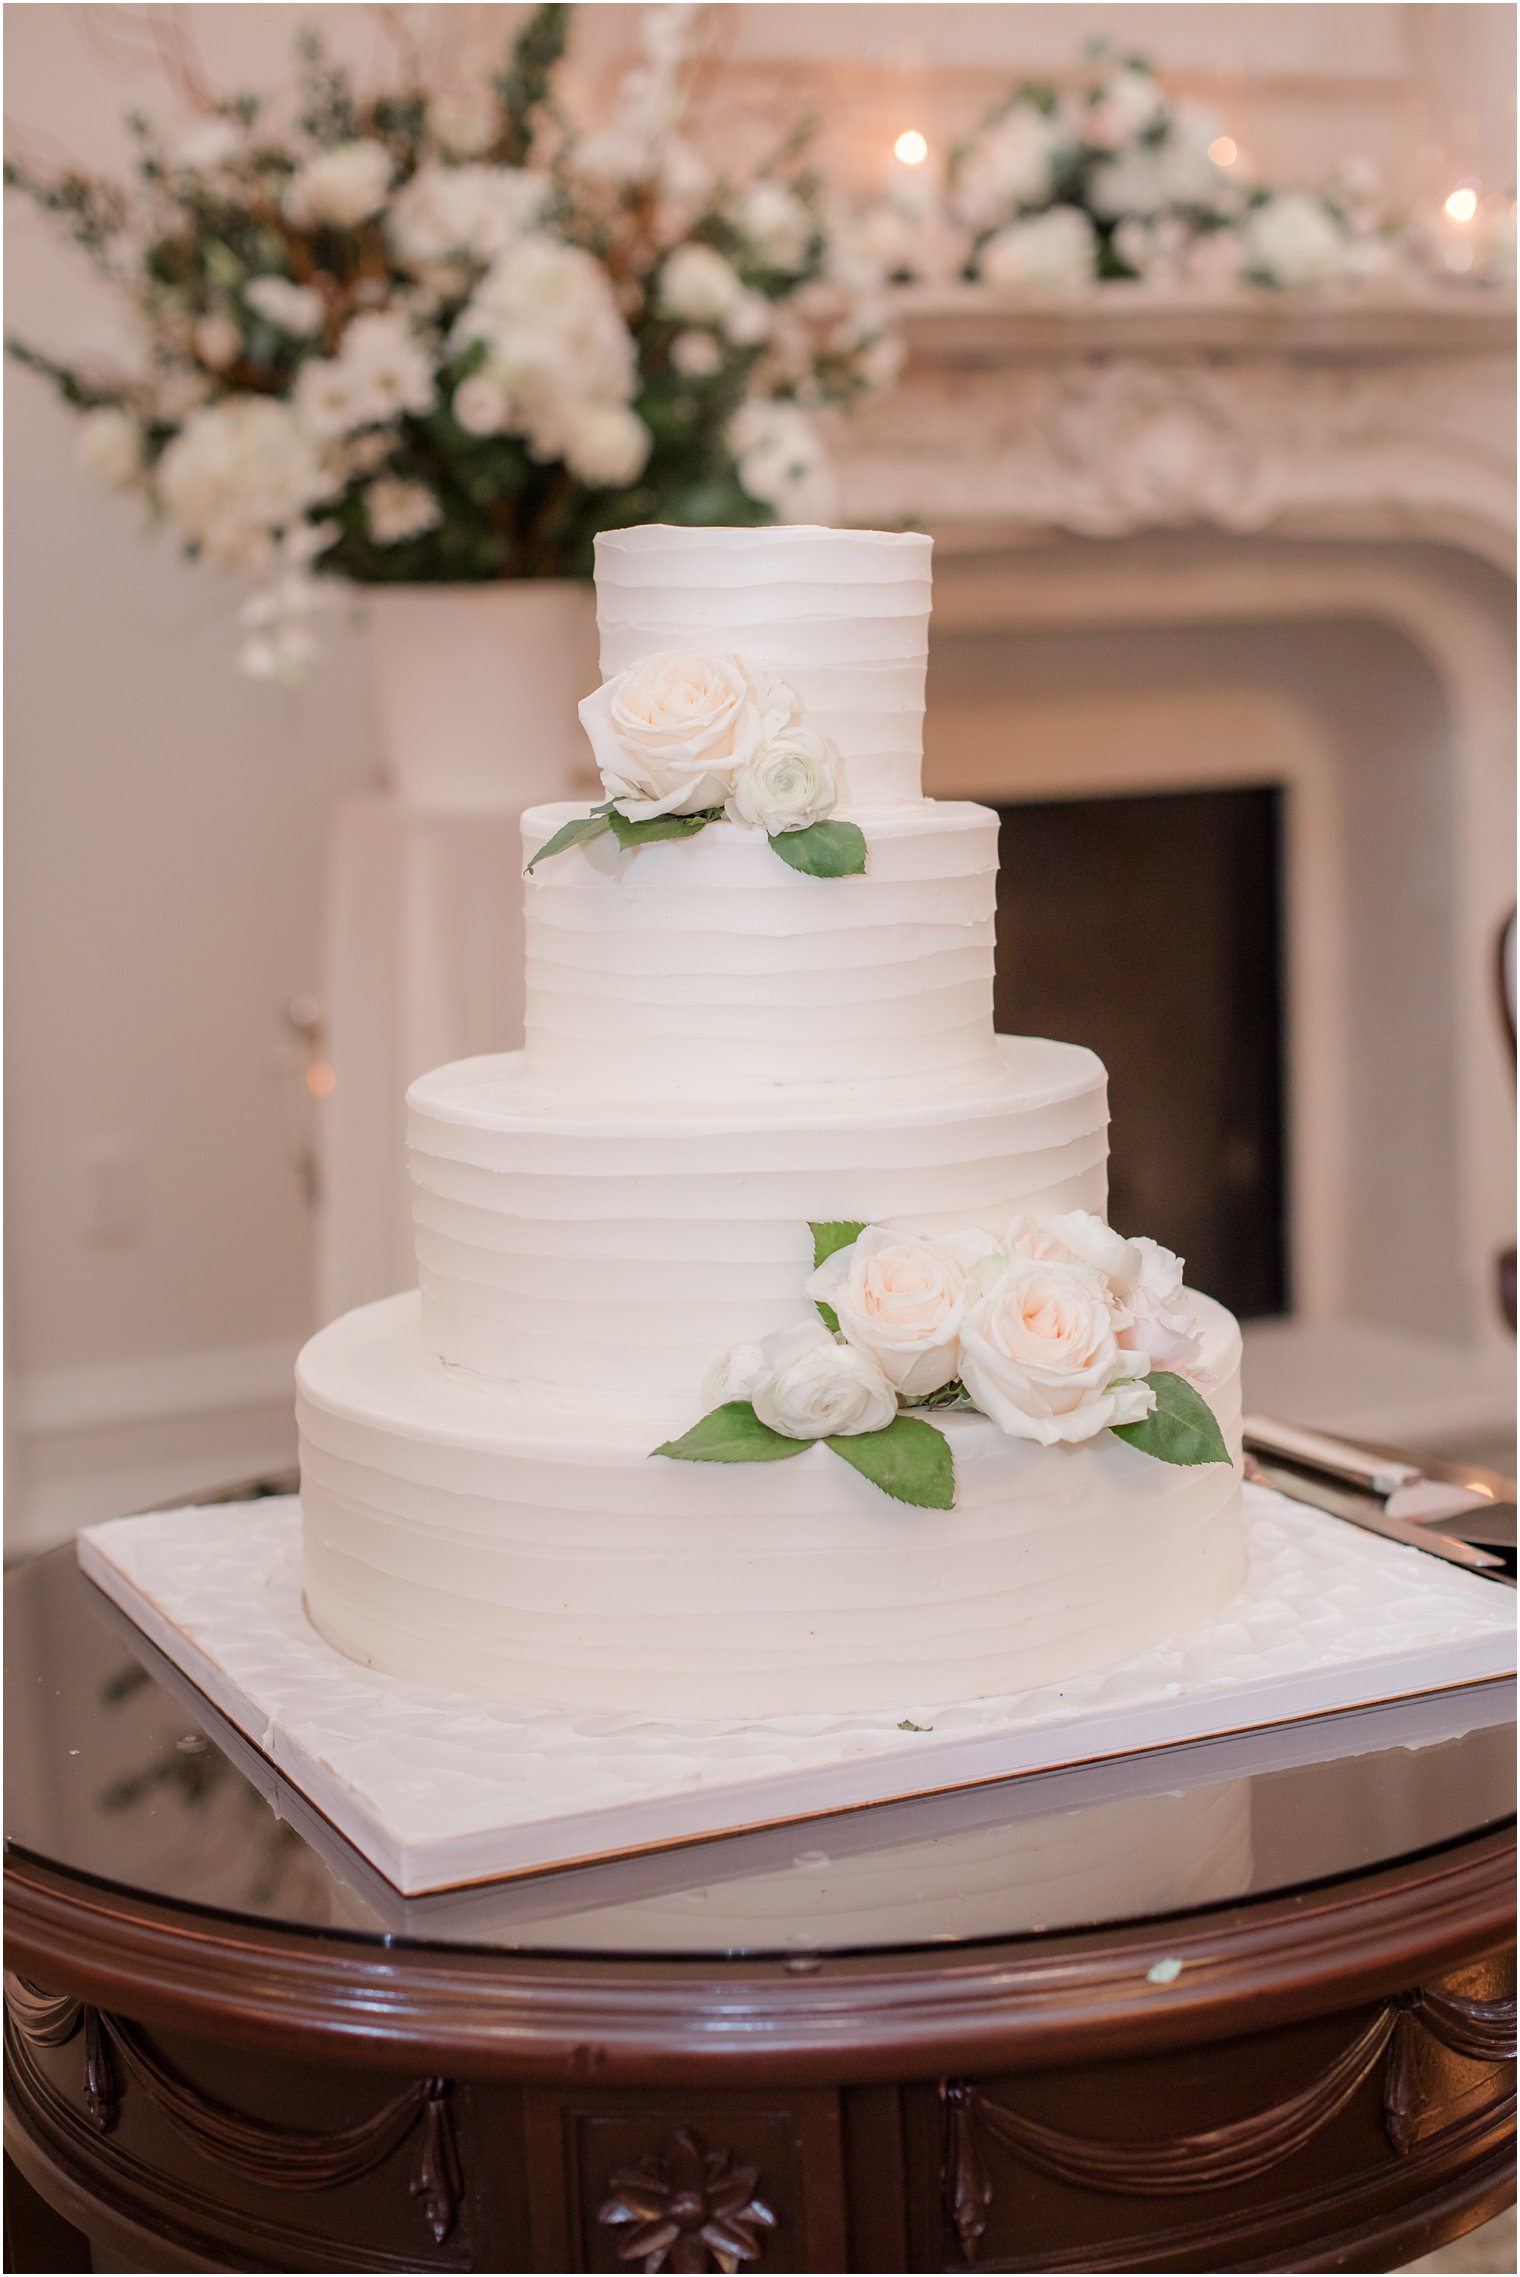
[771, 1354]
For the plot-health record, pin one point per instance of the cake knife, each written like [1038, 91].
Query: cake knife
[1345, 1501]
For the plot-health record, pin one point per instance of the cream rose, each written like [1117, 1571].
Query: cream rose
[1040, 1353]
[1158, 1321]
[818, 1389]
[1092, 1242]
[671, 735]
[900, 1299]
[789, 784]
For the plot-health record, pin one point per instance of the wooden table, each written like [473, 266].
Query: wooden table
[1249, 2005]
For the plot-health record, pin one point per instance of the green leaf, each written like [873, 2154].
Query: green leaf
[570, 834]
[910, 1460]
[1180, 1429]
[832, 1234]
[733, 1433]
[908, 1724]
[629, 834]
[823, 850]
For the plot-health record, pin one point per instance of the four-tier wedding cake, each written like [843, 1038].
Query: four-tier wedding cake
[772, 1355]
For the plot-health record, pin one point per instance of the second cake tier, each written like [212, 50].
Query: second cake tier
[621, 1250]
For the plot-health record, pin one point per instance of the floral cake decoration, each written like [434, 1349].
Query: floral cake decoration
[684, 739]
[1059, 1331]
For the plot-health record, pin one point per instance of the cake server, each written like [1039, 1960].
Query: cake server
[1438, 1492]
[1358, 1505]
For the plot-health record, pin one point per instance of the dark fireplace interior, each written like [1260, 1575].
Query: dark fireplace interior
[1150, 929]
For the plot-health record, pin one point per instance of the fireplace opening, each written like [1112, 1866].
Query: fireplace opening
[1150, 928]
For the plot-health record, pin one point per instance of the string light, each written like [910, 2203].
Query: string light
[1223, 150]
[1463, 203]
[911, 148]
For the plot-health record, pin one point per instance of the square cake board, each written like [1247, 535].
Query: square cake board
[438, 1789]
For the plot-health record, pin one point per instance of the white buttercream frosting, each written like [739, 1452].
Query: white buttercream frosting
[503, 1542]
[622, 1249]
[842, 615]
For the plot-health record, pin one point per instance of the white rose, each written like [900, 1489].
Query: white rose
[900, 1299]
[788, 785]
[482, 405]
[1040, 1356]
[777, 224]
[738, 1375]
[109, 446]
[817, 1388]
[292, 308]
[1294, 241]
[608, 446]
[696, 355]
[397, 510]
[1091, 1241]
[343, 186]
[671, 734]
[1159, 1323]
[218, 341]
[1011, 165]
[1050, 252]
[698, 286]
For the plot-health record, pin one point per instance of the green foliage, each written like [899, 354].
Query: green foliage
[524, 87]
[630, 835]
[576, 833]
[823, 850]
[732, 1433]
[1181, 1429]
[829, 1235]
[909, 1460]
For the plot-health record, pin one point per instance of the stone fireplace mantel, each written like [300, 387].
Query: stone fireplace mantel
[1131, 410]
[1128, 463]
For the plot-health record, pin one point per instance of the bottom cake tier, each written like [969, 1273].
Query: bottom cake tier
[465, 1536]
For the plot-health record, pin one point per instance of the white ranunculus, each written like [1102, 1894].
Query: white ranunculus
[237, 474]
[109, 446]
[463, 126]
[464, 212]
[777, 224]
[218, 341]
[1054, 251]
[342, 186]
[396, 511]
[608, 445]
[697, 286]
[289, 307]
[788, 785]
[1012, 164]
[738, 1375]
[1294, 240]
[671, 734]
[817, 1388]
[900, 1299]
[482, 406]
[1159, 1323]
[696, 355]
[1040, 1353]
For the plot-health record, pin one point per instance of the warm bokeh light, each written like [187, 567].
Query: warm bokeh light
[1463, 203]
[911, 147]
[320, 1080]
[1223, 150]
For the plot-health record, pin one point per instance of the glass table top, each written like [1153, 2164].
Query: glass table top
[118, 1770]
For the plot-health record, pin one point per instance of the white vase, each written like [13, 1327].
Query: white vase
[477, 688]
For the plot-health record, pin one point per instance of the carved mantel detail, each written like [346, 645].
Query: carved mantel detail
[1221, 2158]
[1107, 420]
[686, 2208]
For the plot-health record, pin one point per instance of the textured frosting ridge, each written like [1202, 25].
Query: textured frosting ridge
[619, 1253]
[457, 1535]
[841, 614]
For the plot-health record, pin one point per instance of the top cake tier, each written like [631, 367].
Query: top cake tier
[842, 615]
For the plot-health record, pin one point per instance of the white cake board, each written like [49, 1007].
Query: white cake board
[437, 1789]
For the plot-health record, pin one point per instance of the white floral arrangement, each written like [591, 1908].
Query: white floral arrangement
[1058, 1331]
[684, 739]
[425, 336]
[1057, 192]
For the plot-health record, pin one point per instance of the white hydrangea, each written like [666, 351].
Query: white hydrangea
[1012, 164]
[289, 307]
[237, 474]
[697, 286]
[379, 372]
[781, 460]
[555, 343]
[109, 446]
[1055, 251]
[1294, 240]
[395, 511]
[607, 445]
[471, 213]
[342, 186]
[777, 224]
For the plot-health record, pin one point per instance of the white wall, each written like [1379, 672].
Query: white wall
[167, 818]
